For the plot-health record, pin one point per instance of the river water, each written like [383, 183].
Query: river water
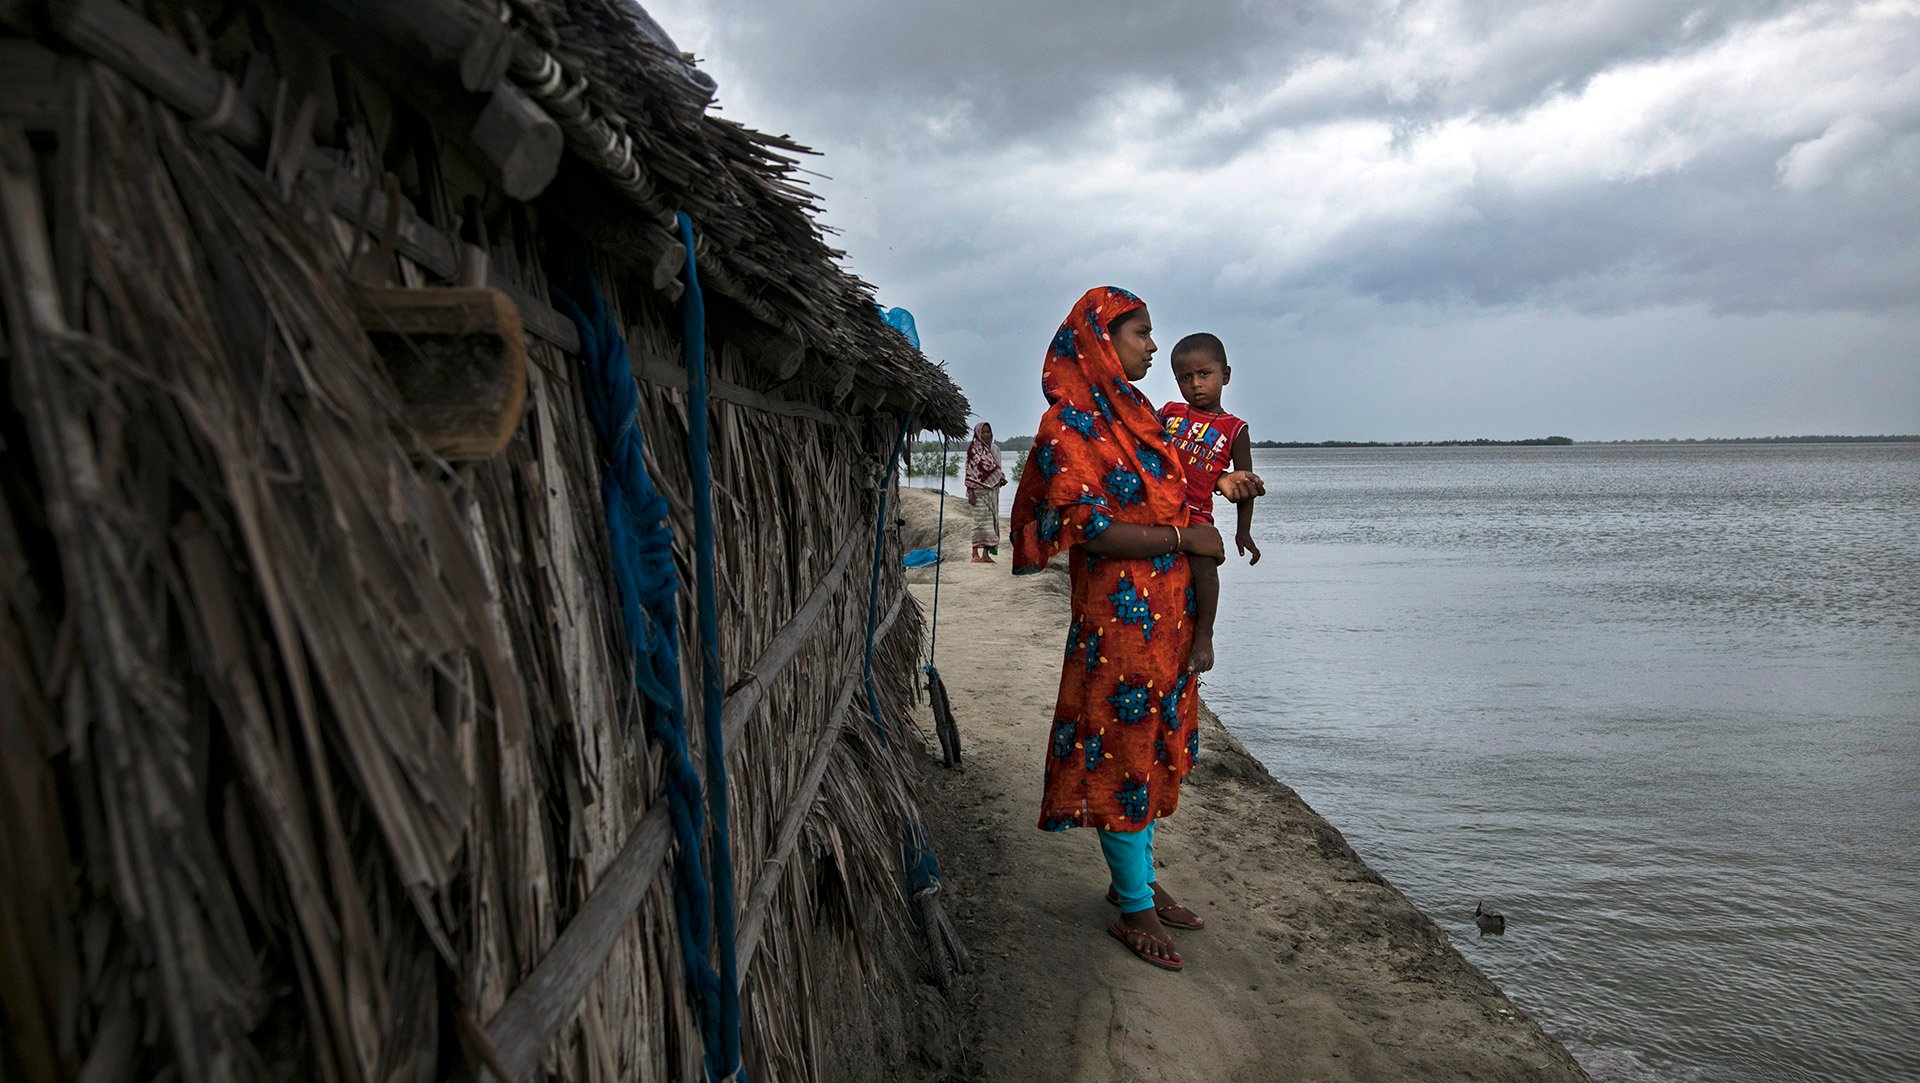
[1659, 704]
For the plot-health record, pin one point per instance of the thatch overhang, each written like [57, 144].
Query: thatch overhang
[641, 144]
[325, 758]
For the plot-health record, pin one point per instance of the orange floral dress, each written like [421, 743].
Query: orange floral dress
[1125, 727]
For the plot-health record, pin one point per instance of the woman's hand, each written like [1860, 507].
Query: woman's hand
[1201, 540]
[1241, 485]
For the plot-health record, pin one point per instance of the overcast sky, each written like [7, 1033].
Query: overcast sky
[1417, 220]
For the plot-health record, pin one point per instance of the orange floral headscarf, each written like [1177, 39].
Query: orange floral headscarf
[1100, 446]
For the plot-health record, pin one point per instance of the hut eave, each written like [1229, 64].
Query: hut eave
[605, 85]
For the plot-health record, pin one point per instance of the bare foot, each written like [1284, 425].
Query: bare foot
[1200, 659]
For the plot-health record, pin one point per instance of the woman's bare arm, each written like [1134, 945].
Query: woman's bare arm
[1135, 540]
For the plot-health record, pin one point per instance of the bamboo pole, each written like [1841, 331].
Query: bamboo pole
[785, 644]
[760, 901]
[117, 35]
[546, 999]
[774, 868]
[448, 60]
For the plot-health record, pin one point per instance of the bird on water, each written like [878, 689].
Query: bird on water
[1491, 924]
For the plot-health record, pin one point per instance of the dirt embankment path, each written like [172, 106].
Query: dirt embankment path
[1311, 967]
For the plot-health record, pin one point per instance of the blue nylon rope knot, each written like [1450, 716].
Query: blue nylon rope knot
[640, 544]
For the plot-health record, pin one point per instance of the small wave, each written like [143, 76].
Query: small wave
[1626, 1066]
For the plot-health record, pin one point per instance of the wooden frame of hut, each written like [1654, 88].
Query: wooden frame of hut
[323, 752]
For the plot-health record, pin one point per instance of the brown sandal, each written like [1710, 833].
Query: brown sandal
[1136, 941]
[1191, 922]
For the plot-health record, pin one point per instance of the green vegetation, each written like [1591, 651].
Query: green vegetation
[1022, 443]
[1538, 441]
[923, 458]
[1905, 439]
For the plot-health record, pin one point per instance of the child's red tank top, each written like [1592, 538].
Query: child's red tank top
[1204, 442]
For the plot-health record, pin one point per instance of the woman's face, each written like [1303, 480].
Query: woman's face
[1133, 341]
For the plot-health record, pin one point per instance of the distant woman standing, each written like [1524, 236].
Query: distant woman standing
[984, 481]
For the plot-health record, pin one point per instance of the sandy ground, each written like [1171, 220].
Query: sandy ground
[1311, 967]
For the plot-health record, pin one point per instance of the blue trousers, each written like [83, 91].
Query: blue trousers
[1129, 857]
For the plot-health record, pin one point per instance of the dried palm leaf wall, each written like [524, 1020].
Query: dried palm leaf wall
[315, 744]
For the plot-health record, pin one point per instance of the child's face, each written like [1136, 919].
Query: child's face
[1133, 341]
[1200, 376]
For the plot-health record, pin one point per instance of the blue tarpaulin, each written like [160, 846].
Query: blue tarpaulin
[902, 321]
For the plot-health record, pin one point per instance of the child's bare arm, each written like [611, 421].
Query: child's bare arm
[1243, 533]
[1206, 603]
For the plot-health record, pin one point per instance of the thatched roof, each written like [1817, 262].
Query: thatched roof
[325, 758]
[510, 83]
[758, 239]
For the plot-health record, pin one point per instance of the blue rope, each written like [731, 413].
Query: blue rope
[940, 549]
[694, 333]
[640, 551]
[922, 868]
[873, 591]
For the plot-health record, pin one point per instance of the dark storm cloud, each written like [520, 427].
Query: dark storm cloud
[1019, 70]
[1721, 233]
[1015, 69]
[1372, 176]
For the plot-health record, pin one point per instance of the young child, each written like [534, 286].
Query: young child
[1209, 443]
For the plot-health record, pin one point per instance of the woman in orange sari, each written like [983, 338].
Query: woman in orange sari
[1102, 486]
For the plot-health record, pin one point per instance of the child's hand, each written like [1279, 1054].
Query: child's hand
[1238, 485]
[1201, 540]
[1243, 541]
[1200, 655]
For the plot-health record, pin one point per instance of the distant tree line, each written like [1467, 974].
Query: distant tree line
[1022, 443]
[1537, 441]
[1905, 439]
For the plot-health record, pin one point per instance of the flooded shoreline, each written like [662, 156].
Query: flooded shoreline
[1656, 704]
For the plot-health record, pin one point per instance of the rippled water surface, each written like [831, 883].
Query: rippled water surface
[1660, 705]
